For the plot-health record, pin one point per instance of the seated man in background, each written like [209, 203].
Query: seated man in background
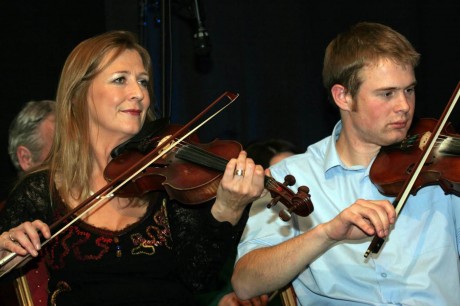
[31, 134]
[30, 138]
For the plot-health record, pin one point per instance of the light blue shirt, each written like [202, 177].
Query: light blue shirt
[417, 265]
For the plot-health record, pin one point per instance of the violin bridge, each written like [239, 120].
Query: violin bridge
[424, 140]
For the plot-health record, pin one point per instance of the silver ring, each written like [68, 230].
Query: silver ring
[11, 237]
[239, 172]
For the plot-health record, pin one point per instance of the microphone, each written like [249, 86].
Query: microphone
[201, 41]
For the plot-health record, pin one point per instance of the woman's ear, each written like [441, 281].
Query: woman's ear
[341, 97]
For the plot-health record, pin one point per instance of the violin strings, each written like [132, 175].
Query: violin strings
[200, 156]
[270, 182]
[450, 146]
[446, 144]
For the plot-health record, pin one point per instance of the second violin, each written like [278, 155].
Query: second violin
[191, 171]
[441, 168]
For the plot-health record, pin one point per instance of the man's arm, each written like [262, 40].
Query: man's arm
[270, 268]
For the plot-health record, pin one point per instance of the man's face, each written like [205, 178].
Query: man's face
[384, 104]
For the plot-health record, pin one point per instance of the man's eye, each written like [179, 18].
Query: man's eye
[410, 90]
[388, 94]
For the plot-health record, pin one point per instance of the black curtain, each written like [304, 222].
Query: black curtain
[270, 52]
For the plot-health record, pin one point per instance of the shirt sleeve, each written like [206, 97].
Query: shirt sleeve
[201, 243]
[29, 200]
[456, 212]
[264, 227]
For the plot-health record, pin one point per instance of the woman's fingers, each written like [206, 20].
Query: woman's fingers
[25, 238]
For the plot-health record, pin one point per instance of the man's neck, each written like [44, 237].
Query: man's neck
[352, 152]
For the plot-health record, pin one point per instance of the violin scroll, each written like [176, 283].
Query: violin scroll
[298, 203]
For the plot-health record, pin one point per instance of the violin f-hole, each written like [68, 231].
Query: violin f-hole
[431, 160]
[409, 169]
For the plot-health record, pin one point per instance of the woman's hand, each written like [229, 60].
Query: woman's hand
[241, 184]
[24, 239]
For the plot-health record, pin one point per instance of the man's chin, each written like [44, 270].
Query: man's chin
[394, 140]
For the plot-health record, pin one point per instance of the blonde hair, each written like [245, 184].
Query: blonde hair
[364, 44]
[71, 155]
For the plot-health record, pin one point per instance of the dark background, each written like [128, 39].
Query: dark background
[270, 52]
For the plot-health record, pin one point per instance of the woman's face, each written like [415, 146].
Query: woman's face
[118, 99]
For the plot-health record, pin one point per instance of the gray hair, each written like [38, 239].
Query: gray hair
[23, 129]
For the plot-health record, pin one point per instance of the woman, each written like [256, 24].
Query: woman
[133, 251]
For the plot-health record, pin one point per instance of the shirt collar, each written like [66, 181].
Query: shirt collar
[332, 158]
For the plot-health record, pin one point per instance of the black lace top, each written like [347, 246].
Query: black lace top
[172, 252]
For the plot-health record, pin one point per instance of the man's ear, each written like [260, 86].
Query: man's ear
[24, 157]
[341, 97]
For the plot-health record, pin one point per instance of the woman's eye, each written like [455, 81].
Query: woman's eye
[119, 80]
[144, 83]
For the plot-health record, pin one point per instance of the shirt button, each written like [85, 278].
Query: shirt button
[384, 275]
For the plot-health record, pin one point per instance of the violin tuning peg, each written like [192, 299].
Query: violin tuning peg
[285, 215]
[304, 189]
[273, 202]
[289, 180]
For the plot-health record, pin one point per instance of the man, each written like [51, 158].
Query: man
[369, 72]
[30, 137]
[31, 134]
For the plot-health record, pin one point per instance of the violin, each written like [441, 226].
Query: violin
[191, 171]
[442, 166]
[430, 146]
